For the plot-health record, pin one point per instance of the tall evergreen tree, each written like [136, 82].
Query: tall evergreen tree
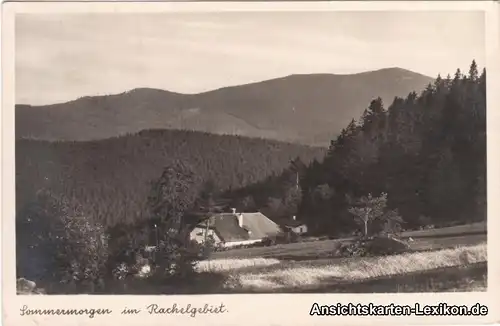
[473, 72]
[429, 153]
[172, 195]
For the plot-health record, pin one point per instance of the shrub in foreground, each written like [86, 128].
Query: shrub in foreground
[374, 246]
[57, 244]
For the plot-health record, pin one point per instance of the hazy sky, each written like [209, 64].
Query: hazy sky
[63, 57]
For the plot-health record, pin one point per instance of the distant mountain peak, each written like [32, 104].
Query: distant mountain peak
[394, 71]
[150, 91]
[322, 104]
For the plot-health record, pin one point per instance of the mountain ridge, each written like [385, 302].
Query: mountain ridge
[299, 108]
[135, 89]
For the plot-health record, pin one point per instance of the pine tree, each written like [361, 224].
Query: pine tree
[439, 83]
[172, 195]
[473, 72]
[448, 82]
[458, 77]
[482, 81]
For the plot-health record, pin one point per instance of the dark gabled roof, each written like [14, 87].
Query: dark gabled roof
[290, 223]
[259, 225]
[228, 229]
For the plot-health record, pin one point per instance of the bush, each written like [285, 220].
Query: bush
[356, 249]
[204, 250]
[387, 246]
[391, 227]
[284, 238]
[375, 246]
[176, 257]
[36, 244]
[127, 249]
[268, 241]
[423, 221]
[294, 237]
[67, 246]
[208, 247]
[84, 251]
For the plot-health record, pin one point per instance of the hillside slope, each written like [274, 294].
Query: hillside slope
[111, 177]
[307, 109]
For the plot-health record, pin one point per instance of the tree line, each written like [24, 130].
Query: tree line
[111, 179]
[426, 152]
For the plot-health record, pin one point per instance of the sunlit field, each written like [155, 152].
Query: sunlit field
[451, 262]
[269, 275]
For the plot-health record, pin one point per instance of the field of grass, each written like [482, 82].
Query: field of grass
[442, 269]
[467, 278]
[445, 259]
[432, 239]
[468, 229]
[440, 260]
[461, 269]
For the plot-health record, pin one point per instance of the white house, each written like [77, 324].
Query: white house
[297, 227]
[234, 229]
[199, 231]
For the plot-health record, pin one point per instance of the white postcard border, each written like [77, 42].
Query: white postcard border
[251, 309]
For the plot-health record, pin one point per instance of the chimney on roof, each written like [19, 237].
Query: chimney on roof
[240, 220]
[234, 210]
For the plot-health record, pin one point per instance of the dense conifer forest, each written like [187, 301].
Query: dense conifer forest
[426, 151]
[111, 179]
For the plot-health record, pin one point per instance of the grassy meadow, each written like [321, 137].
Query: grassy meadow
[447, 259]
[439, 261]
[418, 270]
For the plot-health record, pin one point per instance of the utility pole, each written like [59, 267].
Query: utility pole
[296, 169]
[156, 235]
[207, 223]
[157, 243]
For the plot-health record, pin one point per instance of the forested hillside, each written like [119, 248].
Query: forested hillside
[427, 151]
[111, 178]
[308, 109]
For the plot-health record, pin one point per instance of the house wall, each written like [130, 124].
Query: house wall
[198, 234]
[300, 229]
[239, 243]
